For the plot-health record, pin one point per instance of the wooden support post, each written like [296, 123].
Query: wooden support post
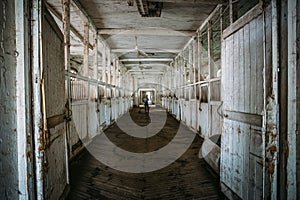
[182, 76]
[23, 99]
[86, 70]
[104, 67]
[108, 70]
[210, 74]
[175, 77]
[270, 118]
[86, 50]
[66, 34]
[95, 54]
[293, 187]
[114, 72]
[190, 65]
[170, 79]
[108, 67]
[114, 75]
[119, 74]
[221, 22]
[231, 11]
[195, 72]
[37, 112]
[199, 46]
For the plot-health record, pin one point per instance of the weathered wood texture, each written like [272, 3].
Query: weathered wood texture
[8, 104]
[187, 178]
[242, 152]
[293, 99]
[297, 35]
[55, 179]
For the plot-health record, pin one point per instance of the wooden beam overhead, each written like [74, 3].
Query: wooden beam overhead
[146, 31]
[148, 50]
[148, 65]
[207, 2]
[147, 60]
[146, 71]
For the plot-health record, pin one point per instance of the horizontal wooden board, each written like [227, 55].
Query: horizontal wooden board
[247, 118]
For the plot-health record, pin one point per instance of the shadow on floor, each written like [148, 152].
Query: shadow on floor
[189, 177]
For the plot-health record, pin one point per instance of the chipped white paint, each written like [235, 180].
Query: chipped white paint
[37, 104]
[293, 98]
[66, 35]
[22, 98]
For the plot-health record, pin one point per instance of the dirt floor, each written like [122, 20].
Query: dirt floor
[189, 177]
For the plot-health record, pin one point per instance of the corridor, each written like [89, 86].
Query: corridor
[189, 177]
[221, 78]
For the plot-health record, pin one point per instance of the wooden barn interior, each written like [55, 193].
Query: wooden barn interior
[222, 80]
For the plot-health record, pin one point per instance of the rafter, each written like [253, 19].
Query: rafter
[146, 60]
[146, 31]
[208, 2]
[152, 50]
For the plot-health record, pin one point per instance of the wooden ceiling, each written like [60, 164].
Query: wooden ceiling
[148, 41]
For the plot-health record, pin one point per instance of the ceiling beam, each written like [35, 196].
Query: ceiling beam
[146, 60]
[146, 31]
[147, 65]
[208, 2]
[148, 50]
[145, 71]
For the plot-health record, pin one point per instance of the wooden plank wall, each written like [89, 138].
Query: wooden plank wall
[242, 152]
[293, 100]
[55, 166]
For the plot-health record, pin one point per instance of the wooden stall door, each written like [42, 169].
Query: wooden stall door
[243, 81]
[55, 172]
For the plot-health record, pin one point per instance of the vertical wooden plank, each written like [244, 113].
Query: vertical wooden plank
[104, 66]
[247, 71]
[224, 161]
[293, 100]
[233, 155]
[37, 113]
[226, 75]
[199, 46]
[268, 82]
[224, 66]
[234, 141]
[245, 139]
[199, 55]
[86, 49]
[210, 74]
[108, 66]
[230, 107]
[235, 73]
[253, 63]
[231, 11]
[66, 35]
[23, 99]
[230, 72]
[242, 56]
[259, 65]
[95, 55]
[297, 16]
[119, 74]
[195, 64]
[268, 51]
